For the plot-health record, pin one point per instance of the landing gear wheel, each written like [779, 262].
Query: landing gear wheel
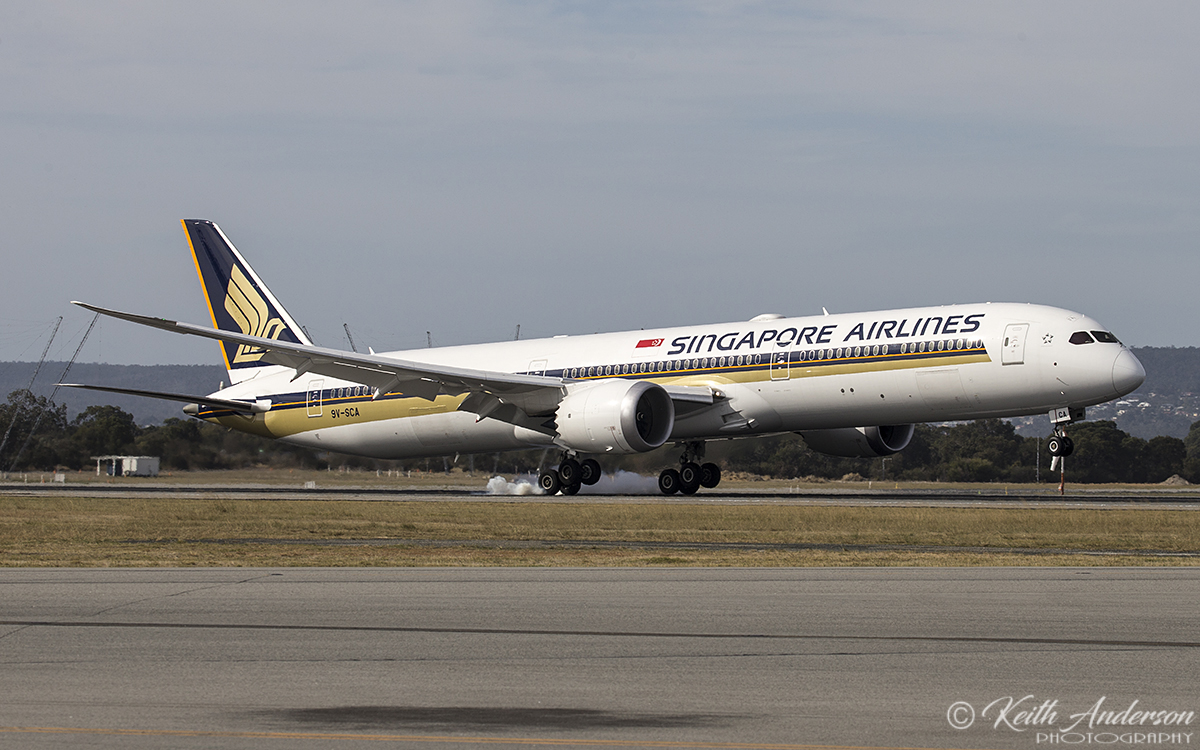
[1054, 445]
[569, 471]
[668, 482]
[589, 471]
[549, 482]
[570, 489]
[710, 475]
[1068, 446]
[689, 478]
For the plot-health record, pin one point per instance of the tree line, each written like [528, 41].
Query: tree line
[39, 437]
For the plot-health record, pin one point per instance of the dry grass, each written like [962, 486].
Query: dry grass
[84, 532]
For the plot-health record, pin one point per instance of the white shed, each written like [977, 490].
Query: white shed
[127, 466]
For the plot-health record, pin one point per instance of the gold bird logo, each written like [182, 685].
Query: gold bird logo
[249, 310]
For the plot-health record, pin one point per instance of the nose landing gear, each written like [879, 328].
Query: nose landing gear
[1059, 445]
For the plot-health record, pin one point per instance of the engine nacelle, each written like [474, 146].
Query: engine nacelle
[615, 416]
[860, 442]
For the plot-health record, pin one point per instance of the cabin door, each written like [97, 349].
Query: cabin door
[1013, 351]
[313, 398]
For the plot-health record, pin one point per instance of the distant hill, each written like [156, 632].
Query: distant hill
[197, 379]
[1166, 404]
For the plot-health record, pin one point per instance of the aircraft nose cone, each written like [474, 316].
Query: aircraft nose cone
[1128, 373]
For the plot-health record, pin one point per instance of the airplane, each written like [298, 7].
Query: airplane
[850, 384]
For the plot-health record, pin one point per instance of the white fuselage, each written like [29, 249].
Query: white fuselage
[769, 375]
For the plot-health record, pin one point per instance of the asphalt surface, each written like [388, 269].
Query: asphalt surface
[871, 494]
[713, 658]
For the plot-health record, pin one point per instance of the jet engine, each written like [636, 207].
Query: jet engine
[615, 416]
[860, 442]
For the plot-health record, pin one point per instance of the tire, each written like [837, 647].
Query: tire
[569, 472]
[589, 471]
[570, 489]
[668, 482]
[1054, 445]
[1068, 446]
[549, 482]
[710, 475]
[689, 478]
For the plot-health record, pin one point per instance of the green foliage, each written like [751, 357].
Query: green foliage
[1162, 457]
[1191, 464]
[32, 423]
[987, 450]
[102, 431]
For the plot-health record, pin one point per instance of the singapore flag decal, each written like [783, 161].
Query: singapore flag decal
[645, 343]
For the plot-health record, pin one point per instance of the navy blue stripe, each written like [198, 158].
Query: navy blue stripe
[299, 399]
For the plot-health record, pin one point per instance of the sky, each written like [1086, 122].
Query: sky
[464, 168]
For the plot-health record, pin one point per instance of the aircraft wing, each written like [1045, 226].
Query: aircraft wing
[383, 374]
[533, 394]
[247, 407]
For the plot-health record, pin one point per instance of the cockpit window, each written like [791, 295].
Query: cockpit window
[1082, 337]
[1104, 337]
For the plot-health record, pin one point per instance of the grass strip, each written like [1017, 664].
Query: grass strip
[107, 531]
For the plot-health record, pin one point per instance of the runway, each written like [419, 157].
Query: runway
[712, 658]
[872, 494]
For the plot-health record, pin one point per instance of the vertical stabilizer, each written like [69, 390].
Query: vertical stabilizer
[237, 299]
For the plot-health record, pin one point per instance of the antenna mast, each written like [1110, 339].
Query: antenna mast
[54, 393]
[29, 388]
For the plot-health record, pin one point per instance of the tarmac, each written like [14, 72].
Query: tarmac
[675, 658]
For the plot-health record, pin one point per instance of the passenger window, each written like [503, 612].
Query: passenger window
[1081, 337]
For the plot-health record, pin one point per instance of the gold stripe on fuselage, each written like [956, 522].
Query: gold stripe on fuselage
[291, 418]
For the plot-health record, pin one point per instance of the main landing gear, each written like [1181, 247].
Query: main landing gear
[570, 476]
[690, 476]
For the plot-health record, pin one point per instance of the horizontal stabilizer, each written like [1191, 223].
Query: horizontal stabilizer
[246, 407]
